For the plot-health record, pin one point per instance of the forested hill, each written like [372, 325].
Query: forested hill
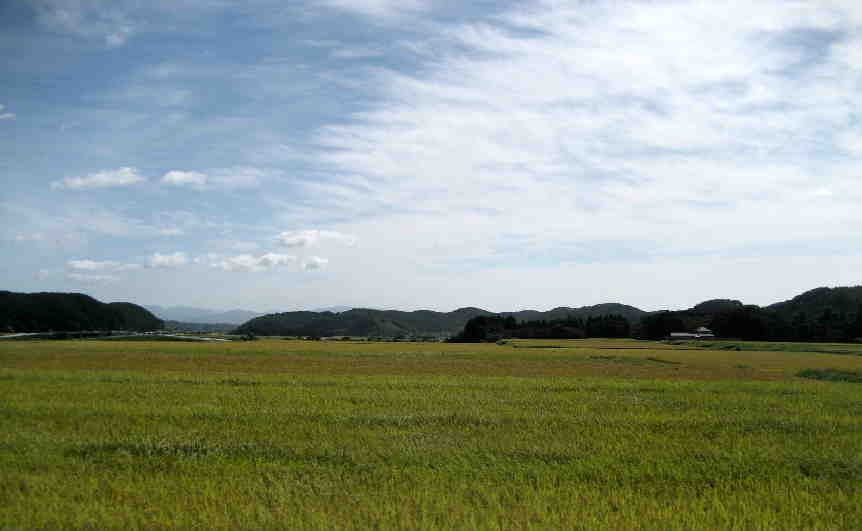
[41, 312]
[821, 314]
[393, 323]
[816, 301]
[632, 314]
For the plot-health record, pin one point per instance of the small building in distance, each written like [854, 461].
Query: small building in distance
[701, 333]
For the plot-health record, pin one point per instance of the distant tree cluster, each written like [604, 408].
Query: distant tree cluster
[494, 328]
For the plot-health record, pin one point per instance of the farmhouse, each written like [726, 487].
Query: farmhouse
[701, 333]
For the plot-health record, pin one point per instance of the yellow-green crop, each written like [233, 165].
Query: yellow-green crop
[532, 435]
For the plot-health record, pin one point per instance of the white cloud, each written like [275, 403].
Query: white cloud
[309, 238]
[208, 258]
[241, 176]
[379, 9]
[106, 20]
[96, 265]
[30, 237]
[239, 246]
[45, 274]
[248, 263]
[185, 178]
[87, 278]
[125, 176]
[171, 231]
[850, 141]
[560, 133]
[357, 52]
[67, 224]
[672, 126]
[90, 265]
[151, 94]
[5, 115]
[237, 177]
[176, 259]
[314, 262]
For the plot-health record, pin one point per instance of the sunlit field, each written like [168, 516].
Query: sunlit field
[579, 434]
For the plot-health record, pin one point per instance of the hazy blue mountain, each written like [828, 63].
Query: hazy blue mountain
[188, 314]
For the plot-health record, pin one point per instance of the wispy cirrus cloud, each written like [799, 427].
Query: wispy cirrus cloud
[105, 20]
[608, 122]
[168, 260]
[575, 138]
[103, 265]
[379, 9]
[90, 279]
[125, 176]
[310, 238]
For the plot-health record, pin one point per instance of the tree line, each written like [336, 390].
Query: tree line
[760, 324]
[822, 314]
[494, 328]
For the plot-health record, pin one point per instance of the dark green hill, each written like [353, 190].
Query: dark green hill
[632, 314]
[821, 314]
[394, 323]
[360, 322]
[716, 306]
[814, 302]
[41, 312]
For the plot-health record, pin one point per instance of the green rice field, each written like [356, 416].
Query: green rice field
[572, 434]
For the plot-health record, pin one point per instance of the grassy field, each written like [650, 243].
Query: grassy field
[337, 435]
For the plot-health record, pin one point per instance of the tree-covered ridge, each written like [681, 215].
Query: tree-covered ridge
[360, 322]
[821, 314]
[42, 312]
[497, 327]
[394, 323]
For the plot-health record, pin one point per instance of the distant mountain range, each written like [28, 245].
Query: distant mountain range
[188, 314]
[833, 314]
[393, 323]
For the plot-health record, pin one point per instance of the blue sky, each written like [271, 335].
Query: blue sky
[430, 154]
